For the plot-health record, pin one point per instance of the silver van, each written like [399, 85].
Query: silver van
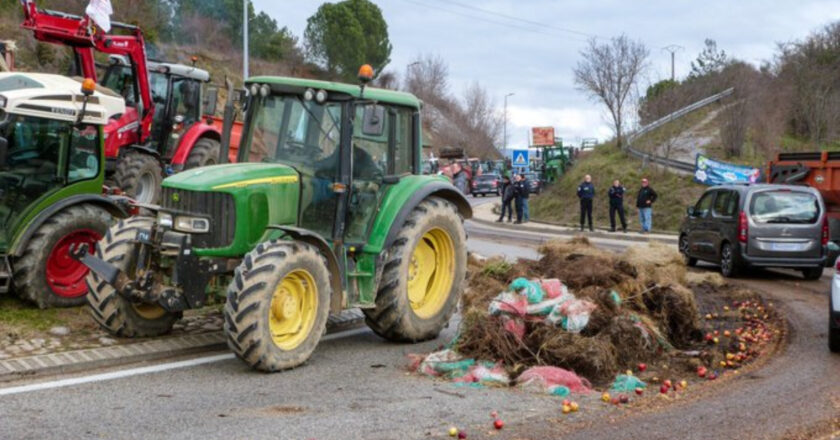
[763, 225]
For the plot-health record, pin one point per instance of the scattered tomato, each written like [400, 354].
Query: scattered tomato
[498, 424]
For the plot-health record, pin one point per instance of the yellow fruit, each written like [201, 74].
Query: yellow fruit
[723, 363]
[683, 384]
[567, 409]
[574, 406]
[629, 372]
[715, 340]
[453, 431]
[605, 397]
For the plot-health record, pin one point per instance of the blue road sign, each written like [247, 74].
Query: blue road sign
[519, 158]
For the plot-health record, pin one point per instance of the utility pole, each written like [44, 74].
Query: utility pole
[244, 40]
[505, 125]
[673, 50]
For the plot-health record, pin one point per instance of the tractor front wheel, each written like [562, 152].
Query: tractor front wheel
[423, 275]
[139, 175]
[277, 305]
[204, 153]
[111, 310]
[46, 274]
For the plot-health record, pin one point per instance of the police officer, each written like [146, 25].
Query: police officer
[616, 194]
[586, 192]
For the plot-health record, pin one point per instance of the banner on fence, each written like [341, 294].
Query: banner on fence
[712, 172]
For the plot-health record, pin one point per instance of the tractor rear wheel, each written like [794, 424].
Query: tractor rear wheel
[46, 274]
[423, 275]
[277, 305]
[111, 310]
[140, 176]
[205, 152]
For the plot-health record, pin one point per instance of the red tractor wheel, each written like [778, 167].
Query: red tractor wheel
[65, 275]
[45, 274]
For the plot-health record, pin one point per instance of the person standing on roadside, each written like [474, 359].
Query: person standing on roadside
[526, 216]
[518, 192]
[586, 192]
[616, 194]
[507, 199]
[644, 201]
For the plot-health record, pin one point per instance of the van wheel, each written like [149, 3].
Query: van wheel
[729, 265]
[812, 273]
[689, 261]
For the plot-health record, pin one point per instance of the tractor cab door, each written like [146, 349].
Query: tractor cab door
[182, 109]
[382, 147]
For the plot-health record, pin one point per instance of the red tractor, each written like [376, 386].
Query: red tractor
[164, 128]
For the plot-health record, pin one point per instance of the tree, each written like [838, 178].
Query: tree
[342, 36]
[609, 72]
[711, 60]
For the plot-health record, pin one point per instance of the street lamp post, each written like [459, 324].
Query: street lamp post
[244, 40]
[505, 116]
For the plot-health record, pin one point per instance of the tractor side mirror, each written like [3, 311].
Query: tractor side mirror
[211, 99]
[241, 96]
[373, 122]
[690, 211]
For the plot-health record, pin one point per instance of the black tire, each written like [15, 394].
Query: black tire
[205, 152]
[139, 175]
[833, 327]
[394, 318]
[730, 267]
[683, 245]
[812, 273]
[249, 304]
[109, 309]
[30, 270]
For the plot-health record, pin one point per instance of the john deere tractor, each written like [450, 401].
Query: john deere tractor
[325, 210]
[51, 176]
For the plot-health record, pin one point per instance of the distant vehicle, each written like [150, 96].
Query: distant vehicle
[834, 311]
[763, 225]
[487, 184]
[534, 183]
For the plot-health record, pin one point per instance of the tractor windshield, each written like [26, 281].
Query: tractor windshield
[39, 156]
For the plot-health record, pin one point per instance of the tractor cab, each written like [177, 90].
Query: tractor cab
[176, 91]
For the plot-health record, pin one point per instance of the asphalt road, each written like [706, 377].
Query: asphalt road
[355, 387]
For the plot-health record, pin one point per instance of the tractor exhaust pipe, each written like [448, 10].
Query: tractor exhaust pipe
[227, 125]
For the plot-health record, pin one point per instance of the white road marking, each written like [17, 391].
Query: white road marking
[144, 370]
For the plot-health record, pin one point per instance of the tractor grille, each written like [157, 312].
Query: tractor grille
[218, 207]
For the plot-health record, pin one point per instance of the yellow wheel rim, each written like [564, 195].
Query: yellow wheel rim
[149, 311]
[291, 315]
[431, 273]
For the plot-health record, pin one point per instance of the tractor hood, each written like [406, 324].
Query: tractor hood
[232, 176]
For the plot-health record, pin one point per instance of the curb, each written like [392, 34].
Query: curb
[115, 355]
[597, 234]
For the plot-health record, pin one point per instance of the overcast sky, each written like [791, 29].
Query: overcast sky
[529, 47]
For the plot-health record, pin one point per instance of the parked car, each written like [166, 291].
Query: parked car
[834, 311]
[487, 184]
[763, 225]
[534, 183]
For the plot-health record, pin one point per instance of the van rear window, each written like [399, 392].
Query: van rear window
[784, 207]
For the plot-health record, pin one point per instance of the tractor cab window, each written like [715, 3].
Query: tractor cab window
[83, 162]
[30, 153]
[306, 136]
[404, 142]
[120, 79]
[186, 97]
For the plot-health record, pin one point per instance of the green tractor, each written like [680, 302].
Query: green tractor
[51, 183]
[556, 160]
[325, 210]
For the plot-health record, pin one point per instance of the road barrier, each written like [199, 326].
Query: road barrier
[671, 163]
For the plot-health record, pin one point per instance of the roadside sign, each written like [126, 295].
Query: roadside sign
[542, 136]
[520, 158]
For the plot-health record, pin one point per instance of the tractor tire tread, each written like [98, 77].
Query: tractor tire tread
[205, 152]
[129, 169]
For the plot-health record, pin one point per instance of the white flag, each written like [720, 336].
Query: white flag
[100, 12]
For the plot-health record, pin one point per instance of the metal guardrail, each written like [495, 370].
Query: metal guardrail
[671, 163]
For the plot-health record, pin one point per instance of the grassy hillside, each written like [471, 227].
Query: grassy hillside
[559, 203]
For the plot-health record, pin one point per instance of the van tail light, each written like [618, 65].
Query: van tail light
[825, 231]
[495, 184]
[743, 227]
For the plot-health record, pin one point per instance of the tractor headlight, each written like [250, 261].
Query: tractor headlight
[164, 220]
[321, 96]
[196, 225]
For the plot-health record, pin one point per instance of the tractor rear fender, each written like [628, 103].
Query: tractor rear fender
[196, 131]
[402, 198]
[142, 148]
[336, 275]
[103, 202]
